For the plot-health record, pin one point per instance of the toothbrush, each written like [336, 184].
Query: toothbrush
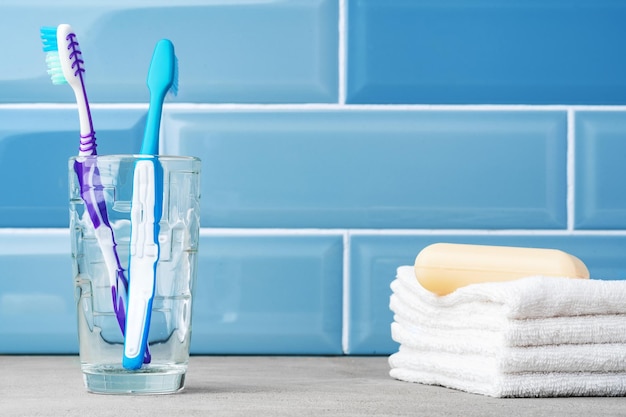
[66, 66]
[146, 208]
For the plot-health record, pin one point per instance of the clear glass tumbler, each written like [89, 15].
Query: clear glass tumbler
[102, 189]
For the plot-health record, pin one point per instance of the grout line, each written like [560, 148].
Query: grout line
[342, 50]
[205, 231]
[571, 169]
[322, 106]
[385, 107]
[482, 232]
[7, 231]
[345, 316]
[407, 232]
[73, 106]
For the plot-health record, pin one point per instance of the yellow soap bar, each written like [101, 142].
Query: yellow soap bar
[444, 267]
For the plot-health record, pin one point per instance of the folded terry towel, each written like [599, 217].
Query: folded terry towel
[546, 384]
[604, 357]
[497, 330]
[531, 297]
[537, 336]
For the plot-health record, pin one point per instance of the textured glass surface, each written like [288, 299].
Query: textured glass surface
[127, 280]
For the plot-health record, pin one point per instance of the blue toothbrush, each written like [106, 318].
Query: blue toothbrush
[66, 66]
[146, 208]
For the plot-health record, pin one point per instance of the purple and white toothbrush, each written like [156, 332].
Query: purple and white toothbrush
[66, 66]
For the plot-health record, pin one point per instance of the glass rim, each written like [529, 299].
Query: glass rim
[117, 157]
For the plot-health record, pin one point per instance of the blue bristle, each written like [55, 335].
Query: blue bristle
[51, 48]
[174, 88]
[49, 38]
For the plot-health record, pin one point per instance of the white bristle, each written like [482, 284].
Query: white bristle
[54, 68]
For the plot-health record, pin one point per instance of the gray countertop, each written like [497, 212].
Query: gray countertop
[267, 386]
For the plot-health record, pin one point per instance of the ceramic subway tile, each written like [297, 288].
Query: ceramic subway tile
[600, 176]
[268, 295]
[374, 259]
[37, 308]
[35, 146]
[486, 52]
[253, 294]
[297, 182]
[376, 169]
[239, 51]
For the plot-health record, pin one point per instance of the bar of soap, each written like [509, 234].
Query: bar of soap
[443, 267]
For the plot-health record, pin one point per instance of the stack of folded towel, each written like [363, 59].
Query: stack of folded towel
[531, 337]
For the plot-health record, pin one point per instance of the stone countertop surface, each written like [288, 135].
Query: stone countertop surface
[268, 386]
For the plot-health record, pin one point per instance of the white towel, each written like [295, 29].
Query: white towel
[531, 297]
[497, 330]
[605, 357]
[507, 385]
[536, 336]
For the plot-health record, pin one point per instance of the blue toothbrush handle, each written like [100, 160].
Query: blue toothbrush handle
[139, 315]
[150, 142]
[147, 203]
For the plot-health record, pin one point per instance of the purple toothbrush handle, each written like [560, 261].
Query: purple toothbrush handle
[92, 193]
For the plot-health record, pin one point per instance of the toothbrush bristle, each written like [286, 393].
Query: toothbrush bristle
[174, 88]
[49, 38]
[55, 71]
[51, 48]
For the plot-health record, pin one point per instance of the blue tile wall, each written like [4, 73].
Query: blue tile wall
[254, 294]
[601, 170]
[240, 51]
[269, 294]
[331, 169]
[338, 138]
[486, 51]
[37, 313]
[35, 145]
